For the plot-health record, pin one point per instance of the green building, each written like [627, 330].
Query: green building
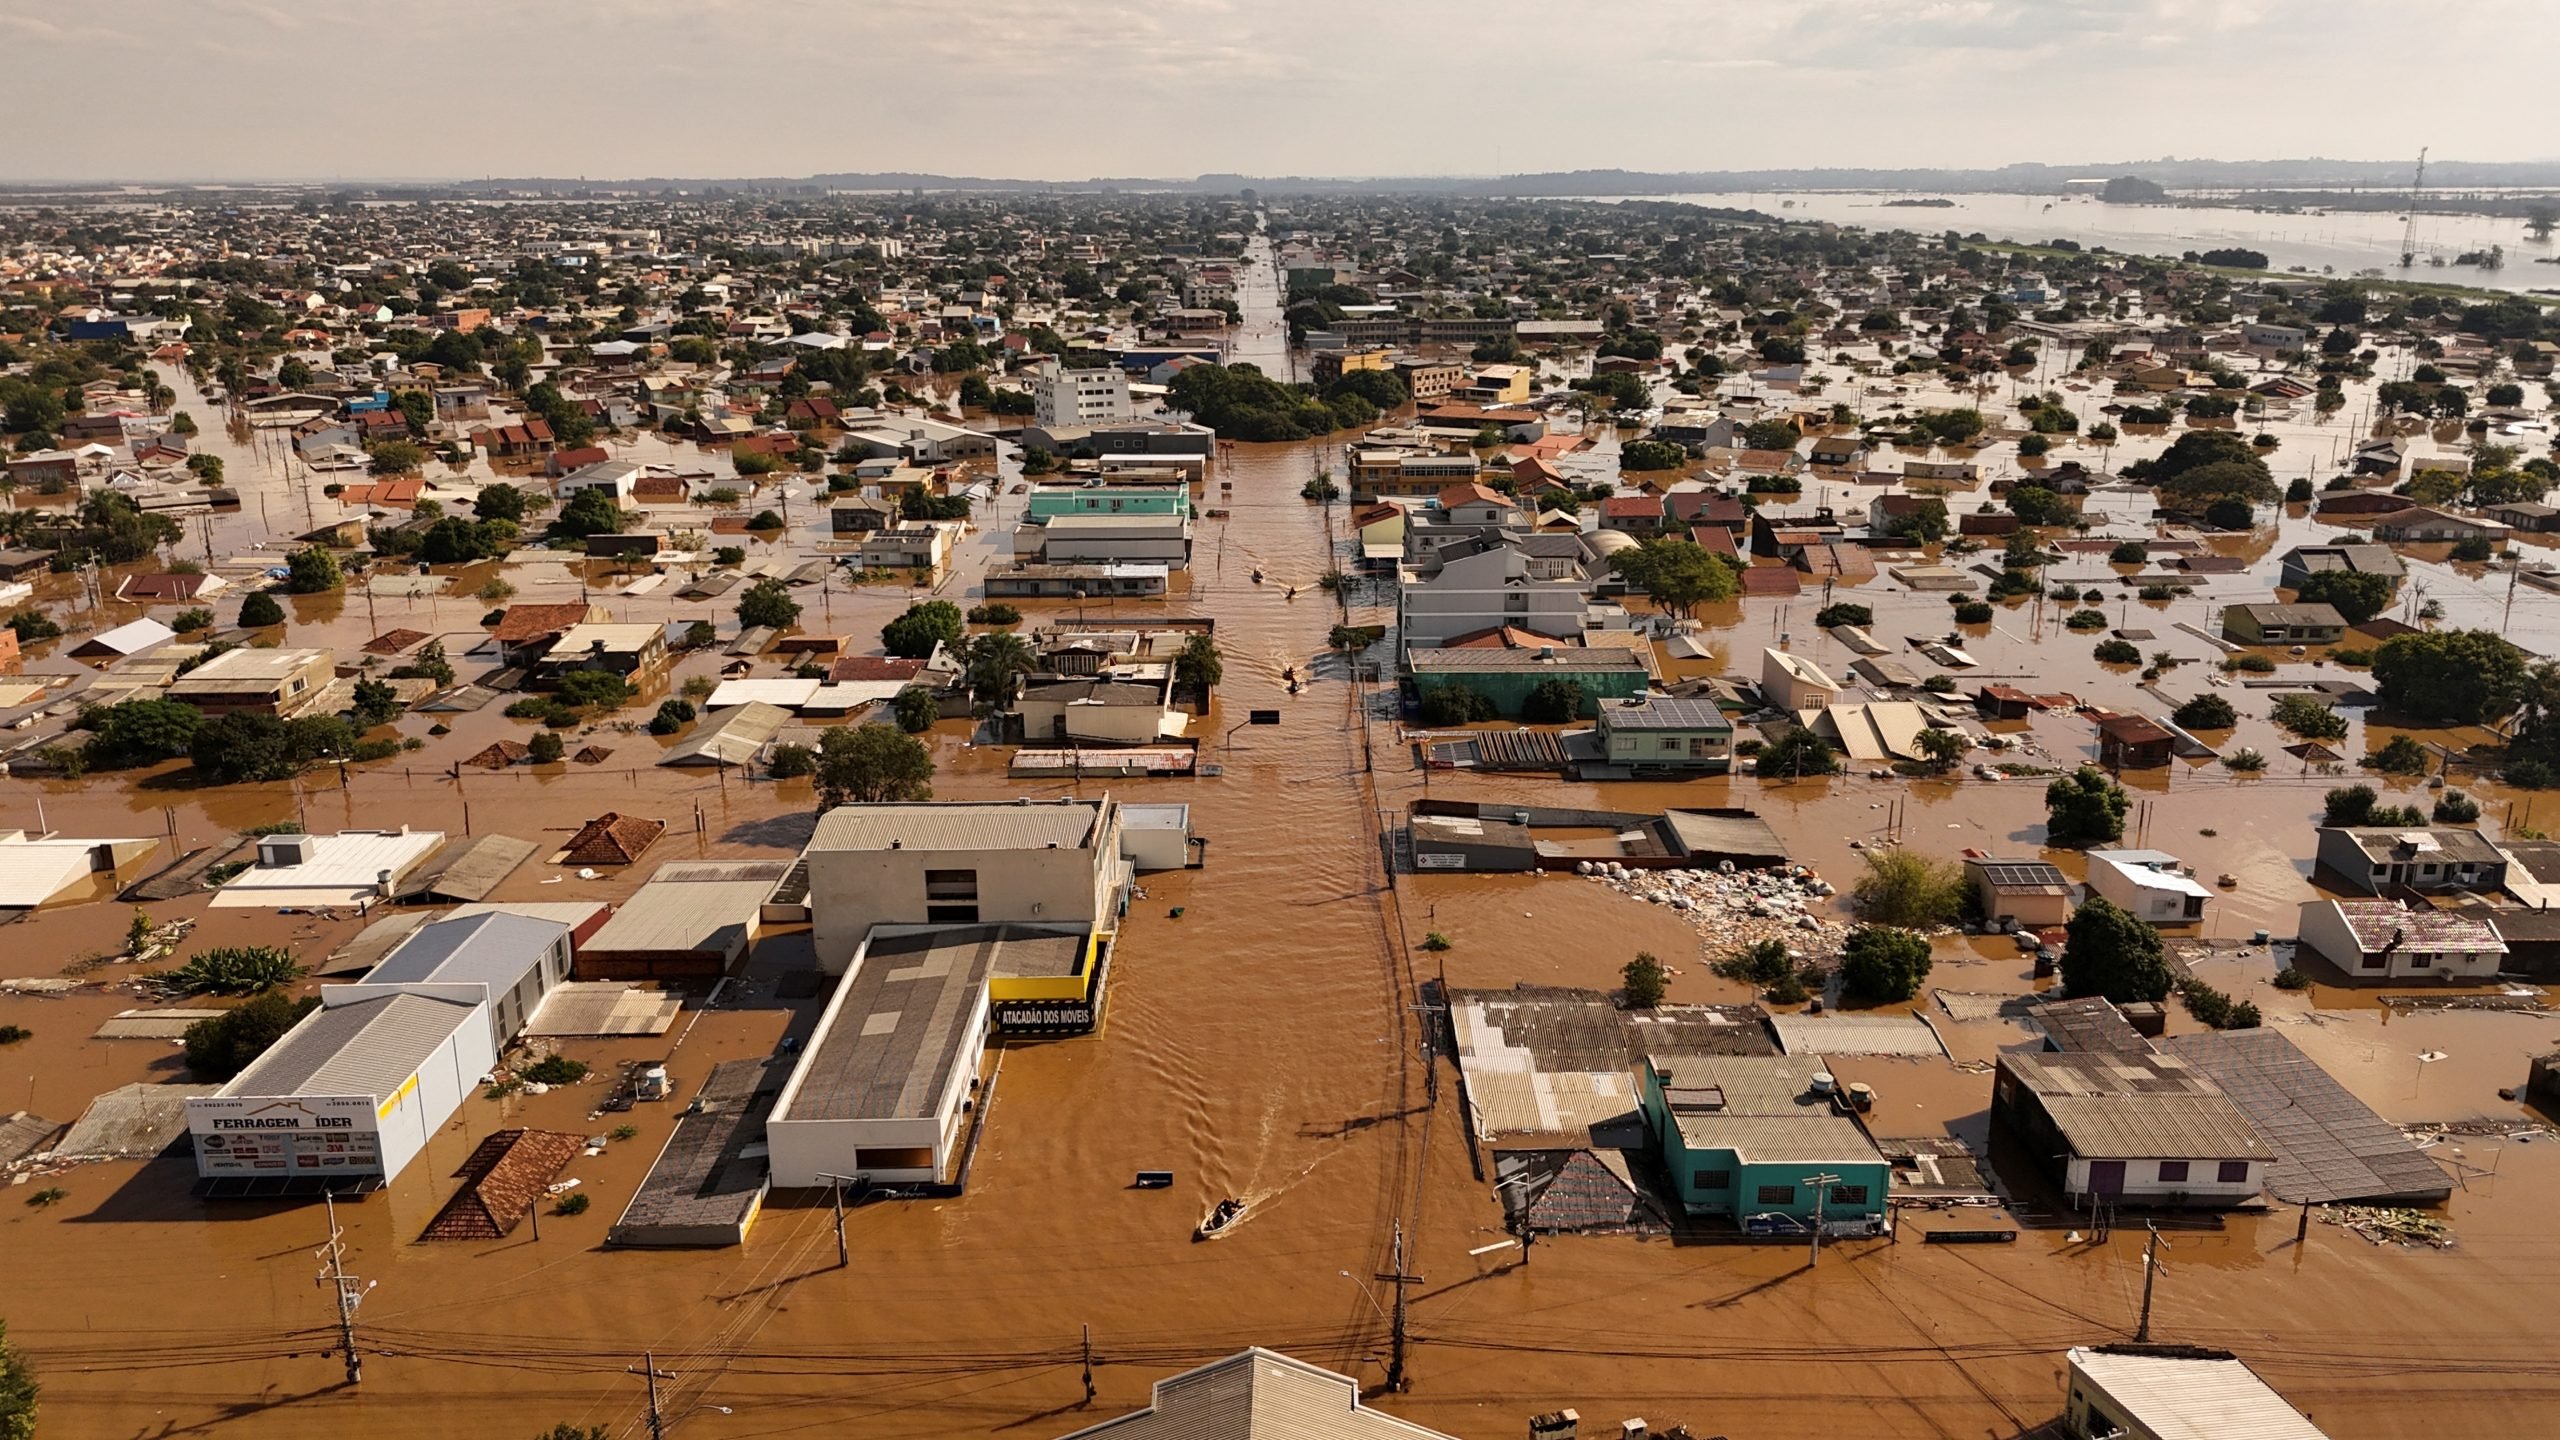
[1506, 676]
[1649, 733]
[1049, 502]
[1744, 1135]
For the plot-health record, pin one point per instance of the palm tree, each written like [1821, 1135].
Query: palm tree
[997, 661]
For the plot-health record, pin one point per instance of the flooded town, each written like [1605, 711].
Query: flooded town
[1676, 810]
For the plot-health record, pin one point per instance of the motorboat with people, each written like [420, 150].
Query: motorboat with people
[1226, 1213]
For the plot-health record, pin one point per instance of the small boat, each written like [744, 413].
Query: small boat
[1291, 594]
[1257, 574]
[1227, 1213]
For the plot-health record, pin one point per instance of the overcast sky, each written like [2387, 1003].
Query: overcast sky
[1070, 89]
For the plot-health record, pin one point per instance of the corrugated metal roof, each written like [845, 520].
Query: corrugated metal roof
[902, 1021]
[2177, 1398]
[683, 917]
[493, 950]
[960, 825]
[1257, 1395]
[369, 1047]
[2138, 1107]
[2331, 1145]
[732, 736]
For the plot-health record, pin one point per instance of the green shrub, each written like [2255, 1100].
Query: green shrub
[1882, 963]
[2250, 664]
[573, 1203]
[545, 748]
[2206, 712]
[2086, 620]
[227, 970]
[226, 1044]
[555, 1070]
[600, 688]
[2117, 652]
[792, 762]
[994, 612]
[1974, 612]
[1646, 981]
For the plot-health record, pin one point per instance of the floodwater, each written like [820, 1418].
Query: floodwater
[2330, 242]
[1261, 1044]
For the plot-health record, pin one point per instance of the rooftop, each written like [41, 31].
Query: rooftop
[366, 1047]
[2331, 1146]
[2387, 924]
[961, 825]
[1562, 658]
[494, 949]
[2136, 1107]
[899, 1022]
[1659, 712]
[1761, 1107]
[2178, 1397]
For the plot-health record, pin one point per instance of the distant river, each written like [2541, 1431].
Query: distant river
[2331, 243]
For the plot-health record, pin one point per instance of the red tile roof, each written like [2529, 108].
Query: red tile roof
[874, 667]
[535, 622]
[612, 839]
[503, 1180]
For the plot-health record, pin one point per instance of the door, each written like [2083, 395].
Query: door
[2106, 1178]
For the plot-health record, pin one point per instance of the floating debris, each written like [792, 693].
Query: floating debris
[2390, 1225]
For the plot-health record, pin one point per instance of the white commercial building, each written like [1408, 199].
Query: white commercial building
[1051, 862]
[43, 869]
[350, 1095]
[347, 868]
[355, 1090]
[1081, 397]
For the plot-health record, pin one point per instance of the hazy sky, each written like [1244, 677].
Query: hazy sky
[1068, 89]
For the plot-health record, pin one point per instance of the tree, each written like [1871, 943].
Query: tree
[673, 715]
[2083, 808]
[243, 746]
[768, 603]
[1883, 963]
[205, 466]
[2308, 717]
[259, 610]
[140, 732]
[18, 1391]
[2203, 450]
[916, 709]
[1646, 981]
[2357, 595]
[455, 541]
[995, 664]
[394, 457]
[1677, 574]
[601, 688]
[500, 502]
[1198, 665]
[2402, 755]
[1844, 613]
[589, 512]
[224, 1045]
[2348, 805]
[1554, 701]
[375, 704]
[2459, 677]
[546, 748]
[2206, 712]
[1943, 748]
[914, 634]
[1456, 703]
[1906, 888]
[2114, 955]
[2116, 652]
[2035, 505]
[313, 570]
[1798, 752]
[1651, 455]
[872, 764]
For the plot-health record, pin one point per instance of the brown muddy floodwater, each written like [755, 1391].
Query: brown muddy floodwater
[1261, 1045]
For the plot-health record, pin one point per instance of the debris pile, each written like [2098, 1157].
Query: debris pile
[1732, 907]
[2390, 1225]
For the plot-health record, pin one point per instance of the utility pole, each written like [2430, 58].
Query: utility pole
[835, 1192]
[2150, 1269]
[1395, 1323]
[649, 1369]
[1088, 1364]
[1818, 1182]
[350, 1290]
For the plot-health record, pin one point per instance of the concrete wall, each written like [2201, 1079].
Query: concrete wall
[2142, 1181]
[852, 890]
[802, 1151]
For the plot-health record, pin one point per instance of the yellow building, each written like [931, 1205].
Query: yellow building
[1499, 385]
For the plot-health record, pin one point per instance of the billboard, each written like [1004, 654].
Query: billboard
[285, 1135]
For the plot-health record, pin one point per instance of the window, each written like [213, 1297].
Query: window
[1711, 1180]
[2374, 962]
[1777, 1194]
[1670, 747]
[2234, 1172]
[2173, 1172]
[1848, 1194]
[950, 885]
